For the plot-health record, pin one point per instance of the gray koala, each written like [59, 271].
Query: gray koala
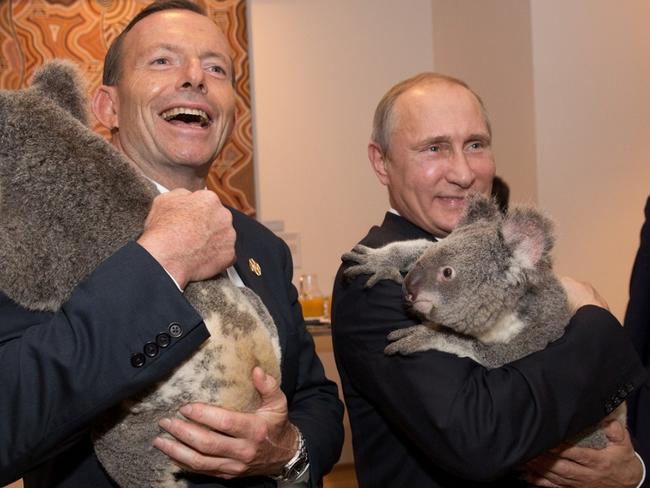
[68, 200]
[487, 291]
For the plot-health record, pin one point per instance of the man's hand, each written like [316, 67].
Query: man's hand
[581, 293]
[230, 444]
[615, 466]
[190, 234]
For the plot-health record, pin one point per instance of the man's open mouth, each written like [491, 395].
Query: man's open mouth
[185, 115]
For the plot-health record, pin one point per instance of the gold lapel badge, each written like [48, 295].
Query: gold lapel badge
[254, 267]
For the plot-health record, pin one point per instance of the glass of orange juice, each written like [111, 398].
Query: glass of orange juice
[310, 297]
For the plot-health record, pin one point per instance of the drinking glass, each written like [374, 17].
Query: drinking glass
[310, 297]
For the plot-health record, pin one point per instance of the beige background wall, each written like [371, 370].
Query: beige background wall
[591, 62]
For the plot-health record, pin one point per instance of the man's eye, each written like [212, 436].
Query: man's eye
[441, 148]
[476, 146]
[159, 61]
[217, 69]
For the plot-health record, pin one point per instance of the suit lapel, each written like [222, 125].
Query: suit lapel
[248, 262]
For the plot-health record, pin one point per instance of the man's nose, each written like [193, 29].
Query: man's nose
[193, 76]
[460, 172]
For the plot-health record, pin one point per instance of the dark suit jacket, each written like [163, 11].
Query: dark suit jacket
[436, 420]
[637, 325]
[58, 371]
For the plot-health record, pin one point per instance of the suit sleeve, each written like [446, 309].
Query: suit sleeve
[637, 317]
[637, 325]
[470, 421]
[314, 405]
[58, 371]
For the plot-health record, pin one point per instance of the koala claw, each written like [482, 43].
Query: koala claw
[385, 274]
[371, 262]
[405, 332]
[408, 340]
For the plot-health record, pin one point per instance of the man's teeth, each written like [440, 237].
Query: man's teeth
[175, 112]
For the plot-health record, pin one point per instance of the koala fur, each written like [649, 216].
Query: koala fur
[487, 291]
[68, 200]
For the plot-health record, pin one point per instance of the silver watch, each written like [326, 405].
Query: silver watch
[297, 465]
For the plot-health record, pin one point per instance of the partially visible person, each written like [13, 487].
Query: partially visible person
[433, 419]
[168, 100]
[637, 325]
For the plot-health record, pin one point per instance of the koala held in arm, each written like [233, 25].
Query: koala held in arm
[487, 291]
[68, 200]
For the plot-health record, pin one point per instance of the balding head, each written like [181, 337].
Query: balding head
[384, 120]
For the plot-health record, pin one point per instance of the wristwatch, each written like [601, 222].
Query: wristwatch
[298, 464]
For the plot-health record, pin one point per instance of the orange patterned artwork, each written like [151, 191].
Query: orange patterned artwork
[34, 31]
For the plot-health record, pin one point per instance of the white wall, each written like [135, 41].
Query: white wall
[592, 96]
[318, 70]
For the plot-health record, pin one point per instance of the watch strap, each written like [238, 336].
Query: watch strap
[298, 464]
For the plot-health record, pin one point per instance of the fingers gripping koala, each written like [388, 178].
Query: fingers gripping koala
[487, 291]
[68, 200]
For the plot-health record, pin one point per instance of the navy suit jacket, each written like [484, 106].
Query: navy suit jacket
[58, 371]
[433, 419]
[637, 325]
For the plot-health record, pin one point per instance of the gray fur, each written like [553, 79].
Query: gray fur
[500, 301]
[386, 263]
[68, 200]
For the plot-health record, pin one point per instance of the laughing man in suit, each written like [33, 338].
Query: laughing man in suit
[170, 59]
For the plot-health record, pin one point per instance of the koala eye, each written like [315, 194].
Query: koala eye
[447, 273]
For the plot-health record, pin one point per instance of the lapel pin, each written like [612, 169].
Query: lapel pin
[254, 267]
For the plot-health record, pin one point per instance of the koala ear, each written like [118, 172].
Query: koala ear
[60, 81]
[529, 236]
[479, 207]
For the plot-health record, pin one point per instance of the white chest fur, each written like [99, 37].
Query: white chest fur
[504, 330]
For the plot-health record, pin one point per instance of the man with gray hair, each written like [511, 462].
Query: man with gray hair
[433, 419]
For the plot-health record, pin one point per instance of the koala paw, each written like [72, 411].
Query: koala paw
[409, 340]
[373, 262]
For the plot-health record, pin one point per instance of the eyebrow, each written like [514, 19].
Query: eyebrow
[483, 137]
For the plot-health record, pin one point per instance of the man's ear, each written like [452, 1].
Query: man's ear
[378, 162]
[104, 105]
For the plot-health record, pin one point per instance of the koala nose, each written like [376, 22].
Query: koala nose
[411, 284]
